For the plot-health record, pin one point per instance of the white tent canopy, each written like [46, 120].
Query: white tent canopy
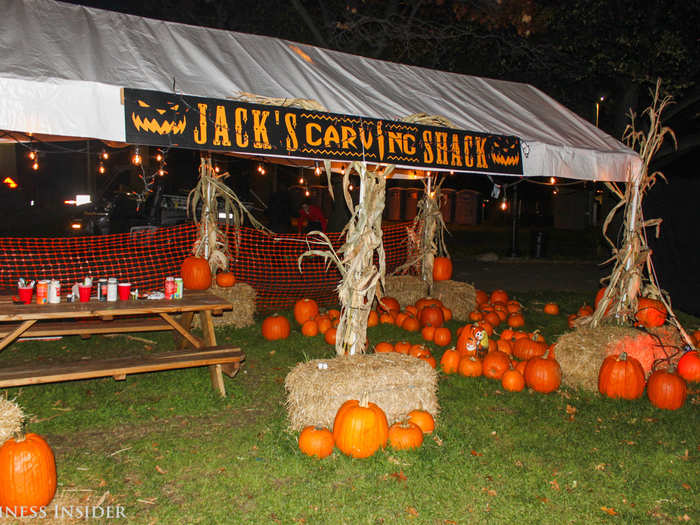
[62, 68]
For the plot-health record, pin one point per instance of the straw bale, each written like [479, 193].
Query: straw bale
[458, 296]
[406, 289]
[396, 383]
[242, 297]
[11, 417]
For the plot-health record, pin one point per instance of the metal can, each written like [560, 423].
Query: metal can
[111, 289]
[102, 290]
[179, 287]
[170, 287]
[54, 291]
[42, 291]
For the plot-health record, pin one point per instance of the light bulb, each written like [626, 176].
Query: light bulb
[136, 158]
[159, 156]
[306, 193]
[504, 205]
[104, 155]
[301, 180]
[102, 169]
[35, 165]
[552, 180]
[32, 155]
[217, 169]
[161, 172]
[351, 187]
[317, 171]
[262, 171]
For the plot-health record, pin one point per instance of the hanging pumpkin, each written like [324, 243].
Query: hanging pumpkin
[195, 273]
[651, 312]
[27, 474]
[512, 380]
[621, 376]
[316, 441]
[225, 279]
[689, 366]
[423, 419]
[305, 309]
[275, 327]
[542, 374]
[666, 389]
[442, 269]
[494, 364]
[360, 428]
[405, 435]
[449, 362]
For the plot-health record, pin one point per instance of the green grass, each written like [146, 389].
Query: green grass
[170, 451]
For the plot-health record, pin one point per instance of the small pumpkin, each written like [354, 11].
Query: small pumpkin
[514, 307]
[402, 347]
[505, 346]
[495, 363]
[329, 336]
[449, 362]
[423, 419]
[309, 328]
[428, 332]
[516, 320]
[621, 376]
[442, 269]
[493, 319]
[446, 313]
[316, 441]
[525, 348]
[411, 324]
[651, 312]
[27, 474]
[276, 327]
[543, 374]
[689, 366]
[373, 318]
[225, 279]
[666, 389]
[386, 318]
[481, 297]
[305, 309]
[470, 366]
[442, 336]
[405, 435]
[499, 296]
[195, 273]
[432, 315]
[360, 428]
[551, 309]
[324, 323]
[388, 304]
[512, 380]
[383, 347]
[475, 315]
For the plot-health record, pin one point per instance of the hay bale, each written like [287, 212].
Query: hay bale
[396, 383]
[242, 297]
[11, 417]
[581, 352]
[406, 289]
[458, 296]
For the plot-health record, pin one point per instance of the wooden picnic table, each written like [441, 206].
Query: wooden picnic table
[98, 317]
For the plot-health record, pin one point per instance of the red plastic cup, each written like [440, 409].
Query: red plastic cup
[124, 290]
[84, 292]
[25, 293]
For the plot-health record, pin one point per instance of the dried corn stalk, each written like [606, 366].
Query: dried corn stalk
[212, 242]
[628, 279]
[426, 235]
[301, 103]
[355, 258]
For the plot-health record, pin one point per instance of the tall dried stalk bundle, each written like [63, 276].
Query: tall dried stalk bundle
[426, 235]
[212, 242]
[628, 279]
[355, 258]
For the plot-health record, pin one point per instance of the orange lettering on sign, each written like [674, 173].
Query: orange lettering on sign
[310, 128]
[481, 153]
[240, 117]
[441, 140]
[200, 135]
[290, 121]
[409, 144]
[468, 157]
[428, 151]
[395, 140]
[221, 137]
[331, 136]
[348, 137]
[260, 129]
[456, 155]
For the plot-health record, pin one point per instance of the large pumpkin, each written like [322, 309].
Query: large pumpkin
[275, 327]
[225, 279]
[651, 312]
[360, 428]
[27, 474]
[666, 389]
[621, 376]
[304, 310]
[315, 441]
[195, 273]
[442, 269]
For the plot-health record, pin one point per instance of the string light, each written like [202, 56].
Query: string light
[552, 180]
[301, 180]
[351, 187]
[104, 155]
[307, 193]
[35, 164]
[261, 169]
[504, 204]
[101, 169]
[159, 157]
[317, 170]
[217, 169]
[162, 172]
[136, 159]
[32, 155]
[555, 192]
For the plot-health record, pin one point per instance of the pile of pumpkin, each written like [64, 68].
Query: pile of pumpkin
[311, 322]
[651, 313]
[361, 428]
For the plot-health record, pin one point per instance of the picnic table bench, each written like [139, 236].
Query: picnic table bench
[97, 317]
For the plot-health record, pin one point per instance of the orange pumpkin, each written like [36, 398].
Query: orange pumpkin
[512, 380]
[651, 312]
[525, 348]
[543, 374]
[405, 436]
[442, 336]
[428, 332]
[329, 336]
[551, 308]
[476, 315]
[388, 304]
[423, 419]
[516, 320]
[195, 273]
[400, 318]
[446, 313]
[470, 366]
[402, 347]
[449, 362]
[225, 279]
[27, 474]
[492, 318]
[373, 318]
[333, 314]
[495, 364]
[504, 345]
[411, 324]
[316, 441]
[499, 296]
[514, 307]
[275, 327]
[386, 318]
[432, 315]
[481, 297]
[305, 309]
[324, 323]
[442, 269]
[309, 328]
[383, 347]
[360, 428]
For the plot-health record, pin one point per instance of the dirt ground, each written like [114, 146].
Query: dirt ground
[530, 274]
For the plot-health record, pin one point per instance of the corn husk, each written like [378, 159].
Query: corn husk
[11, 419]
[396, 383]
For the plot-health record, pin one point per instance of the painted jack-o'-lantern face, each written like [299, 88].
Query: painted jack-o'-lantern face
[164, 121]
[505, 151]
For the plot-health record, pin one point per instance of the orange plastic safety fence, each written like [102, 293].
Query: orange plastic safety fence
[267, 263]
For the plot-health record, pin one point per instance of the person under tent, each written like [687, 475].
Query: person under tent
[311, 218]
